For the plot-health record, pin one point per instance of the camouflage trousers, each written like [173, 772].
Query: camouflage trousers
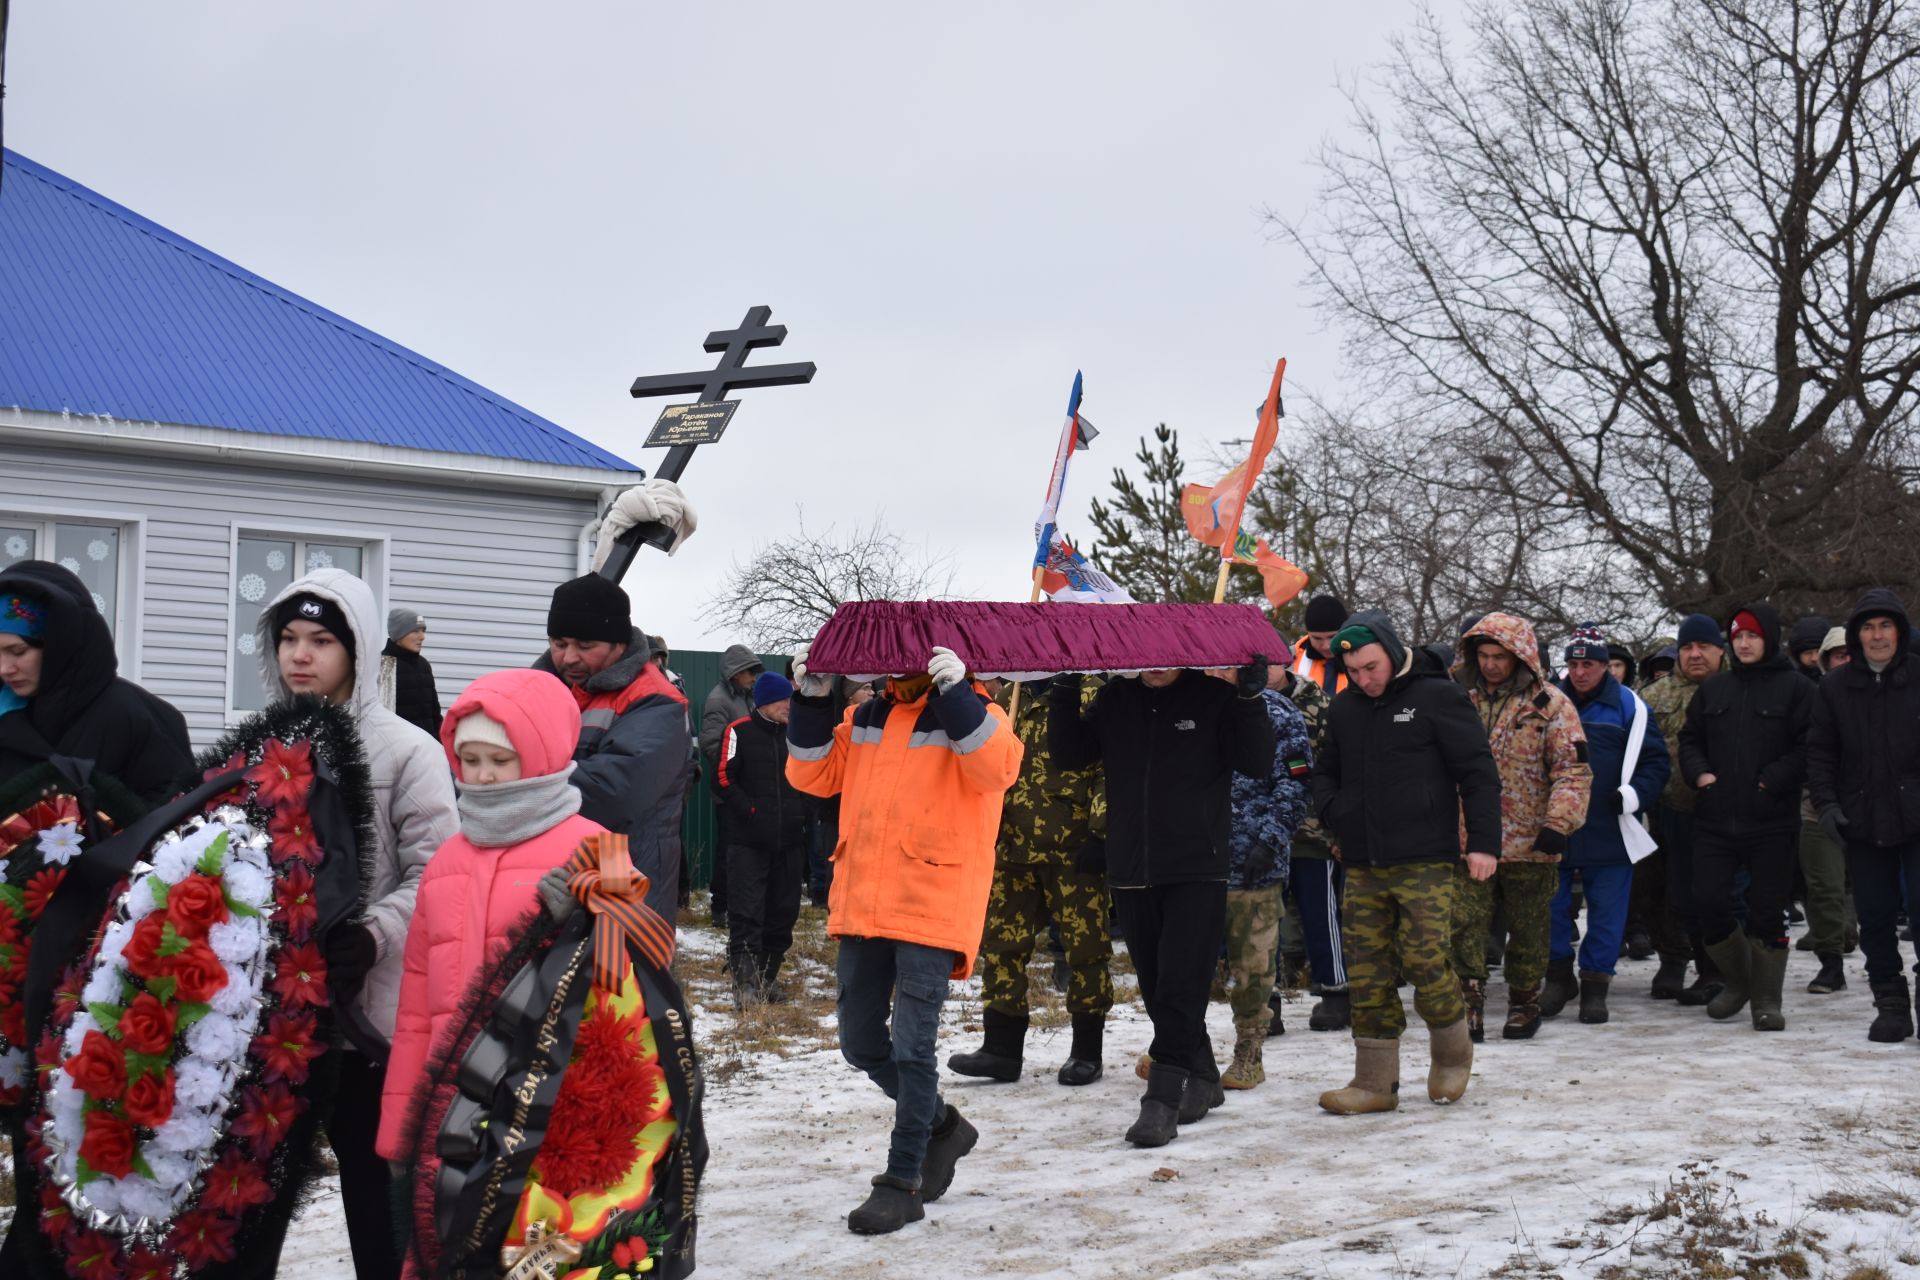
[1253, 934]
[1399, 920]
[1025, 897]
[1526, 889]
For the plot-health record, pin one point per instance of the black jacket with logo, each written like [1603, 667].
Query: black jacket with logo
[1748, 728]
[1399, 771]
[1170, 755]
[1863, 751]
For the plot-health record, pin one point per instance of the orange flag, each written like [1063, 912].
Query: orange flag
[1213, 512]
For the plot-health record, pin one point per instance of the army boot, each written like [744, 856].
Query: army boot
[1523, 1013]
[1767, 970]
[1376, 1080]
[1452, 1061]
[1733, 957]
[1474, 992]
[1247, 1069]
[1561, 986]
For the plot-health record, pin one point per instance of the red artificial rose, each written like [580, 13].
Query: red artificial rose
[287, 1046]
[142, 952]
[293, 893]
[108, 1145]
[293, 838]
[284, 774]
[41, 889]
[203, 1236]
[300, 977]
[236, 1184]
[99, 1069]
[149, 1099]
[198, 971]
[195, 905]
[147, 1025]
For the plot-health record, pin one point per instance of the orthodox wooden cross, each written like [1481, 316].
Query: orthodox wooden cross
[683, 428]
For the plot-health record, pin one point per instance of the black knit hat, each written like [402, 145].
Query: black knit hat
[1325, 613]
[307, 607]
[590, 608]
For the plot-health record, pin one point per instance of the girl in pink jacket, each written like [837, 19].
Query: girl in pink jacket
[510, 737]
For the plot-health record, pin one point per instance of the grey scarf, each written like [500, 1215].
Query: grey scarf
[508, 813]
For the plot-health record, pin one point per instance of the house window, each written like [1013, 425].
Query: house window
[92, 550]
[263, 566]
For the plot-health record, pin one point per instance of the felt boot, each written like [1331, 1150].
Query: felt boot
[998, 1058]
[1669, 980]
[1333, 1013]
[1708, 981]
[1593, 997]
[1767, 970]
[1203, 1094]
[1247, 1069]
[952, 1138]
[1831, 978]
[1452, 1061]
[1733, 956]
[893, 1204]
[1474, 992]
[1376, 1080]
[1561, 986]
[1892, 1019]
[1523, 1013]
[1083, 1064]
[1159, 1118]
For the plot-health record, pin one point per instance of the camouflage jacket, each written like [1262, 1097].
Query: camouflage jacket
[1050, 812]
[1668, 699]
[1267, 811]
[1311, 840]
[1537, 743]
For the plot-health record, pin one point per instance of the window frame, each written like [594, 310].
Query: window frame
[376, 550]
[130, 609]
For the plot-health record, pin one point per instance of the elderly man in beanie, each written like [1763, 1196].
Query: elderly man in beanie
[765, 827]
[406, 678]
[1313, 656]
[1665, 877]
[631, 762]
[1406, 760]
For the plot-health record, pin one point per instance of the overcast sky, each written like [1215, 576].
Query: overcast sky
[952, 207]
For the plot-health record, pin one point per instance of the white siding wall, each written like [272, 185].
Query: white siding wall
[480, 564]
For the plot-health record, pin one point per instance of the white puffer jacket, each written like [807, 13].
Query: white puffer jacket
[414, 807]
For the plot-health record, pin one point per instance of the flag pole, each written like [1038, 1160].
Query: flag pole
[1226, 563]
[1013, 701]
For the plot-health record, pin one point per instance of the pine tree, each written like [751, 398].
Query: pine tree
[1144, 543]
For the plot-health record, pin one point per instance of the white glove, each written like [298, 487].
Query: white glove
[647, 501]
[805, 685]
[946, 668]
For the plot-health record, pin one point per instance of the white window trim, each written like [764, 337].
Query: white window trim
[376, 543]
[130, 624]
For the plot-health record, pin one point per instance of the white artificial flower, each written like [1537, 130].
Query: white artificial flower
[235, 999]
[103, 987]
[13, 1068]
[77, 1031]
[104, 1194]
[235, 940]
[119, 932]
[65, 1101]
[253, 588]
[61, 843]
[173, 861]
[140, 1198]
[248, 884]
[98, 550]
[197, 1083]
[188, 1130]
[217, 1038]
[170, 1168]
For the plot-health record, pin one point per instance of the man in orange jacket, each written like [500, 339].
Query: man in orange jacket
[920, 774]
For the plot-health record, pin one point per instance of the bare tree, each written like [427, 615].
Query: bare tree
[1658, 260]
[789, 587]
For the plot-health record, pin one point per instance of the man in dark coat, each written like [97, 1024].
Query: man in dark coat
[416, 699]
[1744, 749]
[1406, 759]
[1170, 742]
[765, 826]
[1863, 772]
[76, 704]
[729, 699]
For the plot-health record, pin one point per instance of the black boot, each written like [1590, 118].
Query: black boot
[1276, 1023]
[894, 1203]
[1639, 943]
[1669, 980]
[1333, 1013]
[1160, 1109]
[1593, 996]
[770, 990]
[1708, 981]
[1893, 1019]
[999, 1057]
[1083, 1065]
[747, 990]
[1831, 978]
[1203, 1094]
[952, 1138]
[1561, 986]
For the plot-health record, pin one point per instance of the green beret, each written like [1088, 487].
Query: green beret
[1355, 637]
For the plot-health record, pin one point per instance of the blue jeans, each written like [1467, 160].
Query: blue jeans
[882, 980]
[1608, 891]
[1316, 894]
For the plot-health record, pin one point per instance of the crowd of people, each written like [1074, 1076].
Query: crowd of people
[1358, 810]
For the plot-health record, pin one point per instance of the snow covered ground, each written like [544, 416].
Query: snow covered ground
[1660, 1144]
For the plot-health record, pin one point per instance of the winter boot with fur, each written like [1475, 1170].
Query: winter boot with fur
[1247, 1070]
[1203, 1095]
[1593, 997]
[1523, 1013]
[1733, 957]
[1159, 1118]
[1333, 1013]
[1767, 977]
[1831, 978]
[1561, 986]
[1452, 1061]
[1083, 1064]
[1669, 980]
[893, 1204]
[1376, 1080]
[1474, 992]
[952, 1138]
[1708, 981]
[1893, 1018]
[998, 1058]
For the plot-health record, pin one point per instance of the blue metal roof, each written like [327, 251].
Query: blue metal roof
[105, 312]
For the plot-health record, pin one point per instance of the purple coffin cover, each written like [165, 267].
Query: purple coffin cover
[886, 637]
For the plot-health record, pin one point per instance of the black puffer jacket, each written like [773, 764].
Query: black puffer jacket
[1863, 751]
[1170, 756]
[1399, 771]
[83, 708]
[416, 699]
[764, 811]
[1748, 728]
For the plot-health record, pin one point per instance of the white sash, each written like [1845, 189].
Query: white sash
[1632, 832]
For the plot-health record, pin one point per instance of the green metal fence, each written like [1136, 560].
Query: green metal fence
[701, 671]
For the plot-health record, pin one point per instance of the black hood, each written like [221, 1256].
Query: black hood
[1621, 653]
[1775, 658]
[1876, 602]
[1808, 633]
[77, 662]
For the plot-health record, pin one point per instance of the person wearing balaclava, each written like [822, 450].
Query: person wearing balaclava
[1744, 749]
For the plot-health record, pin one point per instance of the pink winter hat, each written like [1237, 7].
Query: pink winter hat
[537, 710]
